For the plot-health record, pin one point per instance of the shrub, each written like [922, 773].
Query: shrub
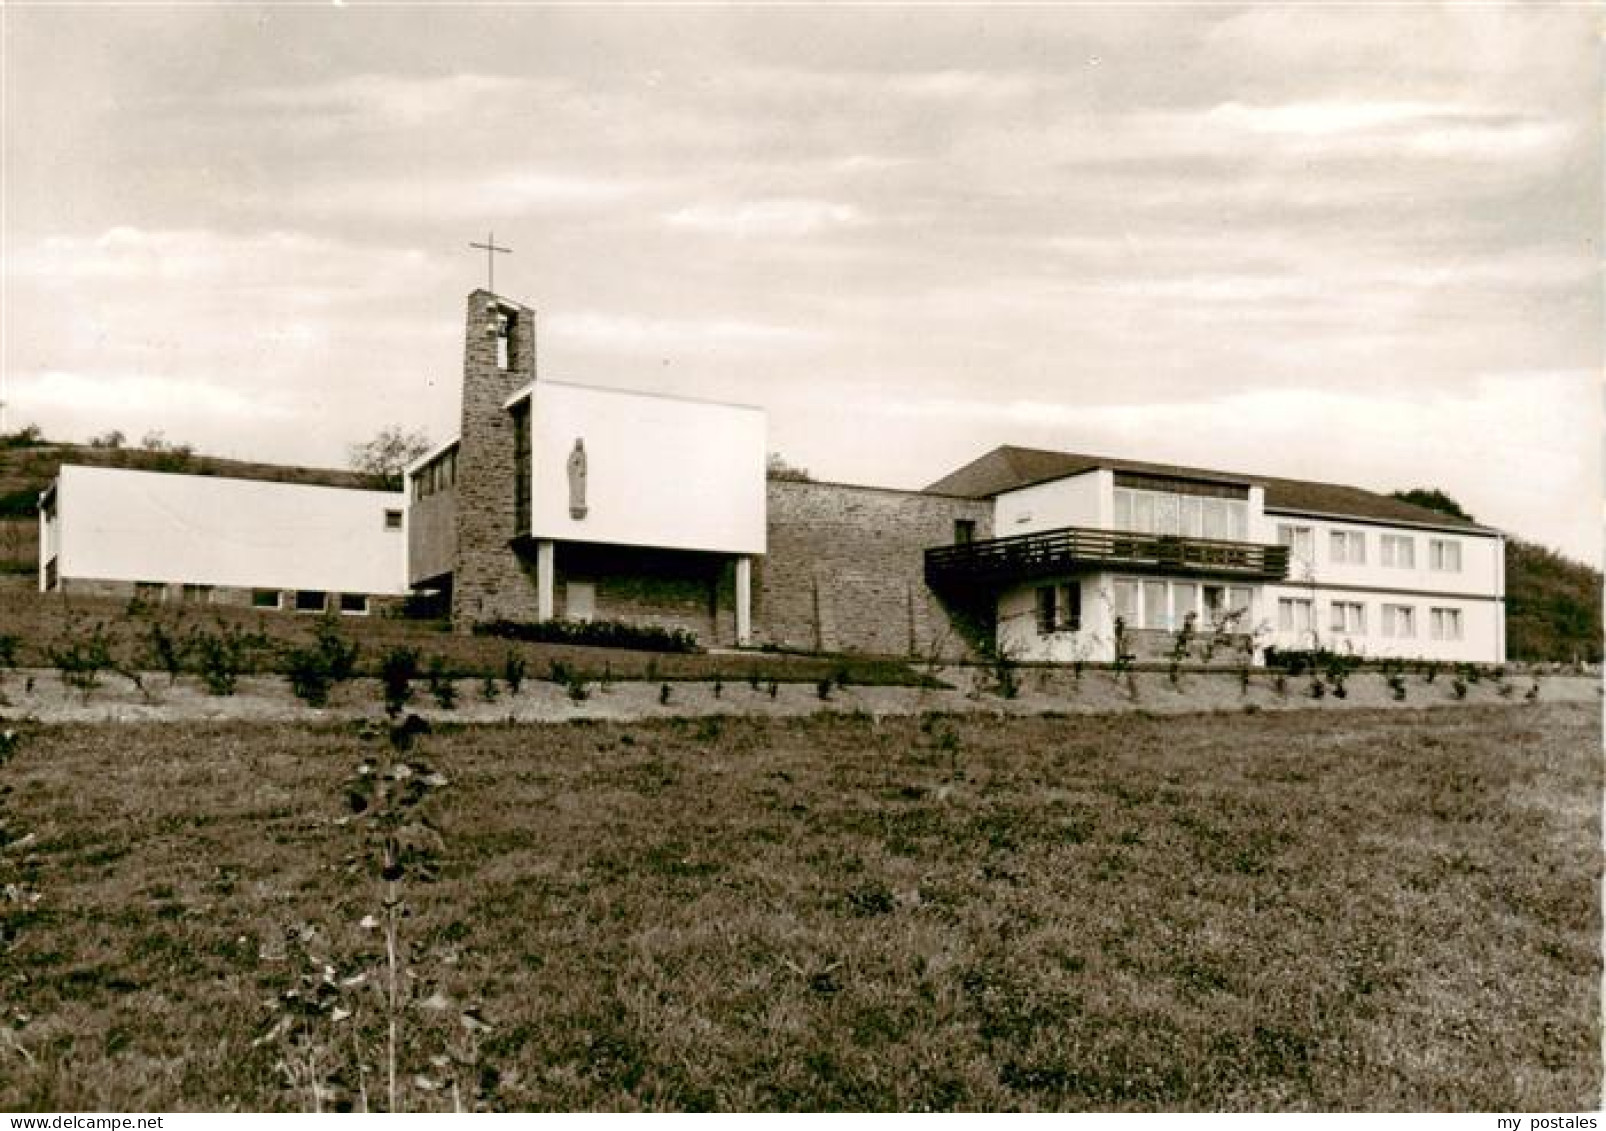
[514, 670]
[823, 688]
[81, 657]
[308, 674]
[9, 643]
[489, 689]
[1396, 683]
[577, 689]
[222, 657]
[340, 653]
[165, 650]
[1458, 687]
[663, 695]
[441, 685]
[596, 633]
[397, 671]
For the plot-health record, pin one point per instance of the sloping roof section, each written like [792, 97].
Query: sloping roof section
[1010, 468]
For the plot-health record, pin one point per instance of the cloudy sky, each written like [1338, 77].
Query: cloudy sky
[1343, 243]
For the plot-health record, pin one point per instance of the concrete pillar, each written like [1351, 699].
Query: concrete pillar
[744, 600]
[544, 579]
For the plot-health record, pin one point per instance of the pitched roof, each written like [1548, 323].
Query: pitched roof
[1009, 468]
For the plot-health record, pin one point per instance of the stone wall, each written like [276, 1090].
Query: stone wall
[845, 570]
[668, 588]
[490, 580]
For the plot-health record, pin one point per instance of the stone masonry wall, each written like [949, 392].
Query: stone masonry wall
[845, 570]
[668, 588]
[490, 580]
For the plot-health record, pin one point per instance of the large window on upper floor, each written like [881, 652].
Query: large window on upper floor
[1157, 505]
[1299, 539]
[1444, 555]
[1346, 547]
[1398, 551]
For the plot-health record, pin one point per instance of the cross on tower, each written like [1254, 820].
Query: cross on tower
[491, 251]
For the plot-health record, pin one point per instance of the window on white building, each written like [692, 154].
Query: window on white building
[1059, 608]
[266, 599]
[1126, 602]
[1348, 618]
[1347, 547]
[311, 601]
[1398, 551]
[1445, 624]
[1154, 602]
[1298, 539]
[354, 604]
[1293, 614]
[1444, 555]
[1184, 600]
[1399, 621]
[1181, 513]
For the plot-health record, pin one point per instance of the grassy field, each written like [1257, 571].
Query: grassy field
[1380, 910]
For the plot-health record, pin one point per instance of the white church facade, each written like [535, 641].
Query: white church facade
[560, 500]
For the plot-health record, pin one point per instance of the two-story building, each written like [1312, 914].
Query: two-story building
[1084, 544]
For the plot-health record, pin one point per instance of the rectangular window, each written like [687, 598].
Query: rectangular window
[1347, 547]
[964, 531]
[1123, 509]
[1192, 519]
[354, 604]
[1154, 610]
[1047, 612]
[1399, 621]
[311, 601]
[1445, 624]
[1398, 551]
[1239, 600]
[1126, 602]
[393, 520]
[1215, 519]
[266, 599]
[1184, 601]
[1143, 512]
[521, 467]
[1444, 555]
[197, 594]
[1348, 618]
[418, 486]
[1293, 614]
[1297, 539]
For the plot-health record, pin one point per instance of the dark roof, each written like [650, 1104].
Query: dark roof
[1010, 468]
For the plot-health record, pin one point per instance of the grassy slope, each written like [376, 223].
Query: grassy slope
[46, 622]
[1391, 911]
[1553, 607]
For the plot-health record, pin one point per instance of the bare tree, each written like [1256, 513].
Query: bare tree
[383, 459]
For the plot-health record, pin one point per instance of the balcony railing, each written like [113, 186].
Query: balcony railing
[1021, 557]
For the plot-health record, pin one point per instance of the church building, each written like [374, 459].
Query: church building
[562, 500]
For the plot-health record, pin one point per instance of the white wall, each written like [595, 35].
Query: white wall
[119, 525]
[661, 471]
[1077, 500]
[1372, 584]
[1017, 623]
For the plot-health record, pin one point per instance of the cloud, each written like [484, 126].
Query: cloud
[761, 219]
[1422, 128]
[137, 396]
[630, 334]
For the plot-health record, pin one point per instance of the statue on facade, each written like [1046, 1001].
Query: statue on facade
[577, 480]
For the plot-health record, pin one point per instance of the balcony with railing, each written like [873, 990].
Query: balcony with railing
[1023, 557]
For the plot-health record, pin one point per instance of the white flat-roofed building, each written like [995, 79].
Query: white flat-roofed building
[211, 539]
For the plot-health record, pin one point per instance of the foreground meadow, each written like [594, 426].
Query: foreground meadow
[1380, 910]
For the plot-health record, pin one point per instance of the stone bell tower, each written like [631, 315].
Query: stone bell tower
[489, 579]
